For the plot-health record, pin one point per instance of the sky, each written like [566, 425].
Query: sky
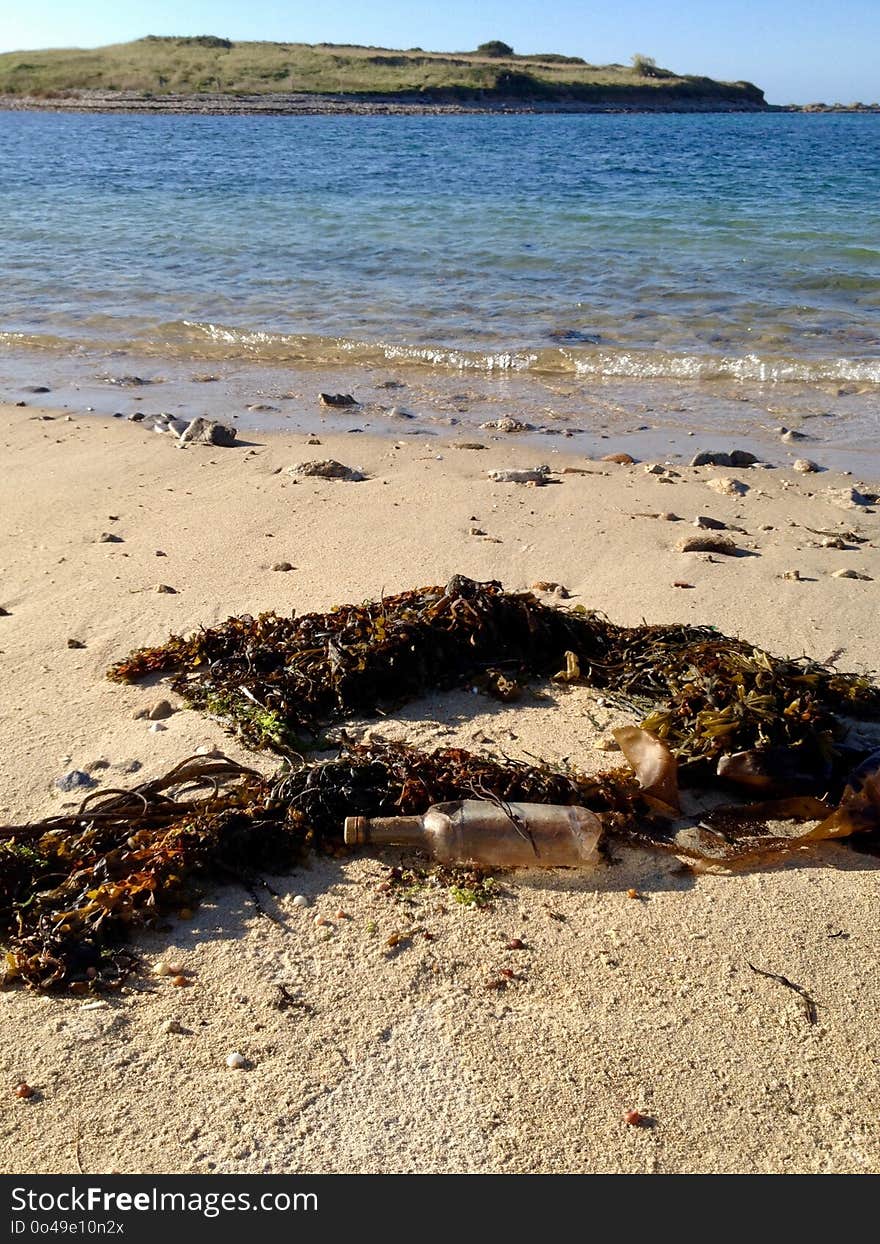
[799, 51]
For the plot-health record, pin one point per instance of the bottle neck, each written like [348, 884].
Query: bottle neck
[387, 831]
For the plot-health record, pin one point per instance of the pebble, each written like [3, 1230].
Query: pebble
[107, 537]
[23, 1090]
[329, 469]
[792, 574]
[76, 779]
[736, 458]
[508, 425]
[535, 475]
[75, 643]
[515, 943]
[708, 544]
[313, 440]
[804, 466]
[157, 727]
[161, 968]
[235, 1061]
[172, 1026]
[282, 566]
[654, 468]
[209, 432]
[621, 459]
[791, 434]
[300, 901]
[161, 710]
[709, 524]
[850, 574]
[634, 1118]
[728, 487]
[166, 590]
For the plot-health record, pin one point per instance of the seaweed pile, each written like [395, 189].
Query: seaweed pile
[73, 886]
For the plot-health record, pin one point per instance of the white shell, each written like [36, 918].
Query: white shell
[235, 1061]
[300, 901]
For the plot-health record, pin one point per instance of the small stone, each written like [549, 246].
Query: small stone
[654, 468]
[709, 524]
[336, 399]
[300, 901]
[76, 779]
[804, 466]
[282, 566]
[621, 459]
[75, 643]
[313, 440]
[161, 968]
[180, 980]
[508, 425]
[164, 589]
[728, 487]
[708, 544]
[208, 432]
[850, 574]
[535, 475]
[172, 1026]
[329, 469]
[23, 1091]
[157, 727]
[794, 575]
[515, 943]
[107, 537]
[4, 613]
[137, 417]
[236, 1061]
[477, 531]
[736, 458]
[792, 434]
[161, 710]
[634, 1118]
[322, 921]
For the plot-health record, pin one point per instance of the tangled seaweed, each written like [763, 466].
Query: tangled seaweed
[73, 887]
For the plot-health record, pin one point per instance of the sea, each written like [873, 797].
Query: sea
[624, 281]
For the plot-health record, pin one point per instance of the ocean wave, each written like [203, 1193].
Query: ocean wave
[198, 340]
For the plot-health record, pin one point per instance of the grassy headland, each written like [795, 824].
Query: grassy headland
[159, 67]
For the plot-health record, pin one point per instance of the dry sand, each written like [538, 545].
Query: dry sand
[401, 1059]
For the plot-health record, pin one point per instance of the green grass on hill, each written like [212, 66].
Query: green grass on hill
[207, 64]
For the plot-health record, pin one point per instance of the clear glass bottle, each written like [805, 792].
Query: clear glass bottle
[474, 831]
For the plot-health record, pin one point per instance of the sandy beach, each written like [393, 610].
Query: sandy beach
[400, 1059]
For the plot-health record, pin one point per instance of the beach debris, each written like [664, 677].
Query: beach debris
[682, 583]
[313, 440]
[709, 524]
[137, 416]
[4, 613]
[236, 1061]
[203, 431]
[107, 537]
[172, 1026]
[398, 412]
[300, 900]
[73, 887]
[708, 544]
[476, 531]
[157, 727]
[75, 643]
[75, 779]
[508, 425]
[160, 710]
[329, 469]
[635, 1118]
[165, 589]
[809, 1005]
[283, 567]
[794, 575]
[545, 585]
[850, 574]
[620, 459]
[718, 458]
[727, 486]
[522, 475]
[337, 399]
[468, 445]
[805, 466]
[792, 434]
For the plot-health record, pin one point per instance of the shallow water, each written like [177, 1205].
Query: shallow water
[540, 259]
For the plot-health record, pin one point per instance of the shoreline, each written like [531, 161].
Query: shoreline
[301, 104]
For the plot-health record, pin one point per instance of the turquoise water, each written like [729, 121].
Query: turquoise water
[633, 246]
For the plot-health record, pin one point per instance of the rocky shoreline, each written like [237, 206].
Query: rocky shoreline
[302, 104]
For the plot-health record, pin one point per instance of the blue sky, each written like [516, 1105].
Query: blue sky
[797, 50]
